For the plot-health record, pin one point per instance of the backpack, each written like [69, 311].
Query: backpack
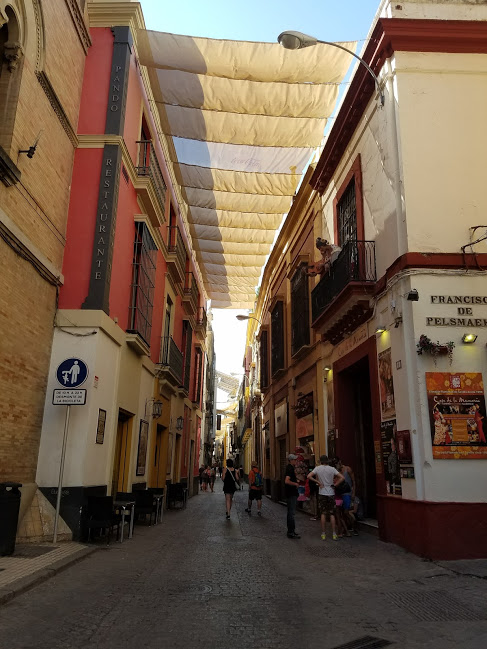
[258, 482]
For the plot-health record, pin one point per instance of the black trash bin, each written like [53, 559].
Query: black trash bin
[9, 516]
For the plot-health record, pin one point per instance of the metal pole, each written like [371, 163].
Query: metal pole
[61, 471]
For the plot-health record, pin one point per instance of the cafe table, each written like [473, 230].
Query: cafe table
[125, 507]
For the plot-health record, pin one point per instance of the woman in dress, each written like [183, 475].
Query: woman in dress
[230, 485]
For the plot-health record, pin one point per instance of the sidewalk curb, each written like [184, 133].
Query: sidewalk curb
[25, 583]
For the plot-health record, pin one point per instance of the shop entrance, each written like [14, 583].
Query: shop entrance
[159, 473]
[121, 457]
[355, 442]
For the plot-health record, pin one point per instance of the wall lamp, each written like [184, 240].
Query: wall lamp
[468, 339]
[156, 408]
[291, 40]
[179, 423]
[327, 368]
[412, 295]
[380, 329]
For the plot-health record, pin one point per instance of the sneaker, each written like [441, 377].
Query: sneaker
[259, 513]
[335, 537]
[323, 537]
[293, 536]
[249, 511]
[228, 516]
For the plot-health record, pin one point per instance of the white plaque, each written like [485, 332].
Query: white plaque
[69, 397]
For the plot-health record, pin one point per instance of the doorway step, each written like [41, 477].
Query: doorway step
[369, 525]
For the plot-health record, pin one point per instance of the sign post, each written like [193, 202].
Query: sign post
[71, 373]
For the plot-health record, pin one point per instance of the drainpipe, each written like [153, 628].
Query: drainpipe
[409, 345]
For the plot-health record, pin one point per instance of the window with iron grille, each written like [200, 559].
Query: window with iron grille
[143, 280]
[299, 310]
[347, 215]
[198, 357]
[187, 340]
[264, 360]
[277, 338]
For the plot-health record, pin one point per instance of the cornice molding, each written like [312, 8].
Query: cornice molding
[57, 107]
[79, 22]
[116, 14]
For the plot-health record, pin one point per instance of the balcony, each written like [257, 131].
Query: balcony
[170, 366]
[176, 254]
[151, 186]
[340, 302]
[201, 323]
[191, 295]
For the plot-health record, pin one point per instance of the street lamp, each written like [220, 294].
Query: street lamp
[247, 317]
[297, 40]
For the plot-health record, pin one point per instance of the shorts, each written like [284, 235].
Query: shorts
[347, 502]
[326, 505]
[255, 494]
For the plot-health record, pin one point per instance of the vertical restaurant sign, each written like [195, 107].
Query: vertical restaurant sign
[102, 255]
[117, 92]
[386, 385]
[456, 405]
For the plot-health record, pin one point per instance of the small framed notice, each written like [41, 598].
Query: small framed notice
[100, 429]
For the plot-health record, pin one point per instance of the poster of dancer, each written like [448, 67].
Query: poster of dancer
[456, 404]
[386, 385]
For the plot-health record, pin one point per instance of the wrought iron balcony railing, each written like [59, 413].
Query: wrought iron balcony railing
[171, 358]
[175, 244]
[191, 293]
[201, 318]
[355, 263]
[148, 165]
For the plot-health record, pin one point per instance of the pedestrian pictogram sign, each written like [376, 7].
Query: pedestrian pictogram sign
[72, 373]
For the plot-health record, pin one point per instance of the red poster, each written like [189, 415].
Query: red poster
[456, 404]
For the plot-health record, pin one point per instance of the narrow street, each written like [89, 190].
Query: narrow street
[198, 580]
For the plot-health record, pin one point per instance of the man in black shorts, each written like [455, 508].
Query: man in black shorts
[255, 489]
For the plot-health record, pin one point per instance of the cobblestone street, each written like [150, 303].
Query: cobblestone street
[198, 580]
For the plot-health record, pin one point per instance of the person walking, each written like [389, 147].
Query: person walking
[240, 473]
[256, 484]
[326, 477]
[230, 485]
[291, 492]
[201, 470]
[212, 478]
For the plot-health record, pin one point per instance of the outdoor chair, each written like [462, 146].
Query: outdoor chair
[144, 504]
[100, 515]
[177, 493]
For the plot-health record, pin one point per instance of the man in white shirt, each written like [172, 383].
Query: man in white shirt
[326, 477]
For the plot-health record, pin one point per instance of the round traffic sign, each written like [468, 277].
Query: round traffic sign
[72, 372]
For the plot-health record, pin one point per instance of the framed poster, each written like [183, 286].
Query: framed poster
[142, 450]
[404, 450]
[100, 427]
[456, 405]
[386, 385]
[390, 458]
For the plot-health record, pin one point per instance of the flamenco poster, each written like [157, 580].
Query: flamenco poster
[456, 404]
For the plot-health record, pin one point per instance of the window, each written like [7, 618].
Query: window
[347, 215]
[299, 310]
[11, 63]
[264, 360]
[187, 340]
[198, 367]
[143, 279]
[277, 338]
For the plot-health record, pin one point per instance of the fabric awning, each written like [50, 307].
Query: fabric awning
[244, 119]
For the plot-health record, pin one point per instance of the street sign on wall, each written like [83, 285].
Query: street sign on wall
[72, 373]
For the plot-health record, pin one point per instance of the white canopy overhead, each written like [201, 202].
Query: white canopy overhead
[243, 119]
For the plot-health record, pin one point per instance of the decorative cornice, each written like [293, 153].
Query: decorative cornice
[79, 22]
[392, 35]
[113, 14]
[57, 107]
